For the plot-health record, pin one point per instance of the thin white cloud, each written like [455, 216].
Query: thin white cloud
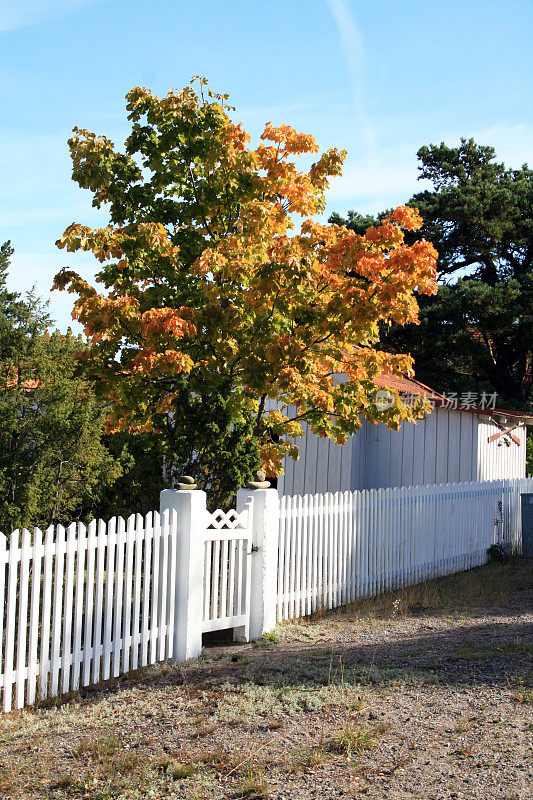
[352, 45]
[23, 13]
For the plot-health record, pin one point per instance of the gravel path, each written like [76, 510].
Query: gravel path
[433, 703]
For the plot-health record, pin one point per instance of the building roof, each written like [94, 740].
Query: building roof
[405, 385]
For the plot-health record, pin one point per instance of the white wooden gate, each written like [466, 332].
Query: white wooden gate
[227, 571]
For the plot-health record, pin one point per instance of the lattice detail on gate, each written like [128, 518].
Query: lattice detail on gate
[227, 519]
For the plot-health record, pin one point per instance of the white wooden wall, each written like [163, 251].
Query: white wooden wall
[445, 446]
[440, 448]
[498, 459]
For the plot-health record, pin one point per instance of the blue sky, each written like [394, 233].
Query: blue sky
[380, 79]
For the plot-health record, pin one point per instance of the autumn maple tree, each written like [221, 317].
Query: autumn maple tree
[220, 281]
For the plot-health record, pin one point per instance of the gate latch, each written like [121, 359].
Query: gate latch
[255, 548]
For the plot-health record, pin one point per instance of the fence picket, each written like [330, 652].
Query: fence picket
[50, 551]
[110, 582]
[4, 556]
[78, 608]
[128, 593]
[12, 576]
[171, 598]
[89, 649]
[25, 554]
[136, 629]
[55, 661]
[148, 541]
[99, 626]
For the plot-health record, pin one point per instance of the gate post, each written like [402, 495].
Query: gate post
[265, 531]
[190, 508]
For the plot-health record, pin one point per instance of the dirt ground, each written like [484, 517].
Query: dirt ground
[425, 693]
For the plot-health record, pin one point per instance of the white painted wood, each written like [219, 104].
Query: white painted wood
[155, 587]
[89, 648]
[74, 605]
[36, 584]
[172, 576]
[23, 591]
[147, 587]
[12, 576]
[46, 625]
[125, 635]
[281, 558]
[215, 592]
[68, 606]
[119, 595]
[231, 579]
[137, 573]
[55, 660]
[4, 556]
[298, 574]
[99, 627]
[77, 653]
[163, 583]
[112, 539]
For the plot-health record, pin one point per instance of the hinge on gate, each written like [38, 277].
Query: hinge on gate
[255, 548]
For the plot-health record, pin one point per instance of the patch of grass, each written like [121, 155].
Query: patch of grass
[253, 785]
[269, 638]
[126, 762]
[178, 771]
[523, 696]
[102, 748]
[474, 652]
[65, 781]
[308, 759]
[354, 738]
[484, 587]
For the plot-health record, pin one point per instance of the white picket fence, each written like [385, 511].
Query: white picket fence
[336, 548]
[84, 604]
